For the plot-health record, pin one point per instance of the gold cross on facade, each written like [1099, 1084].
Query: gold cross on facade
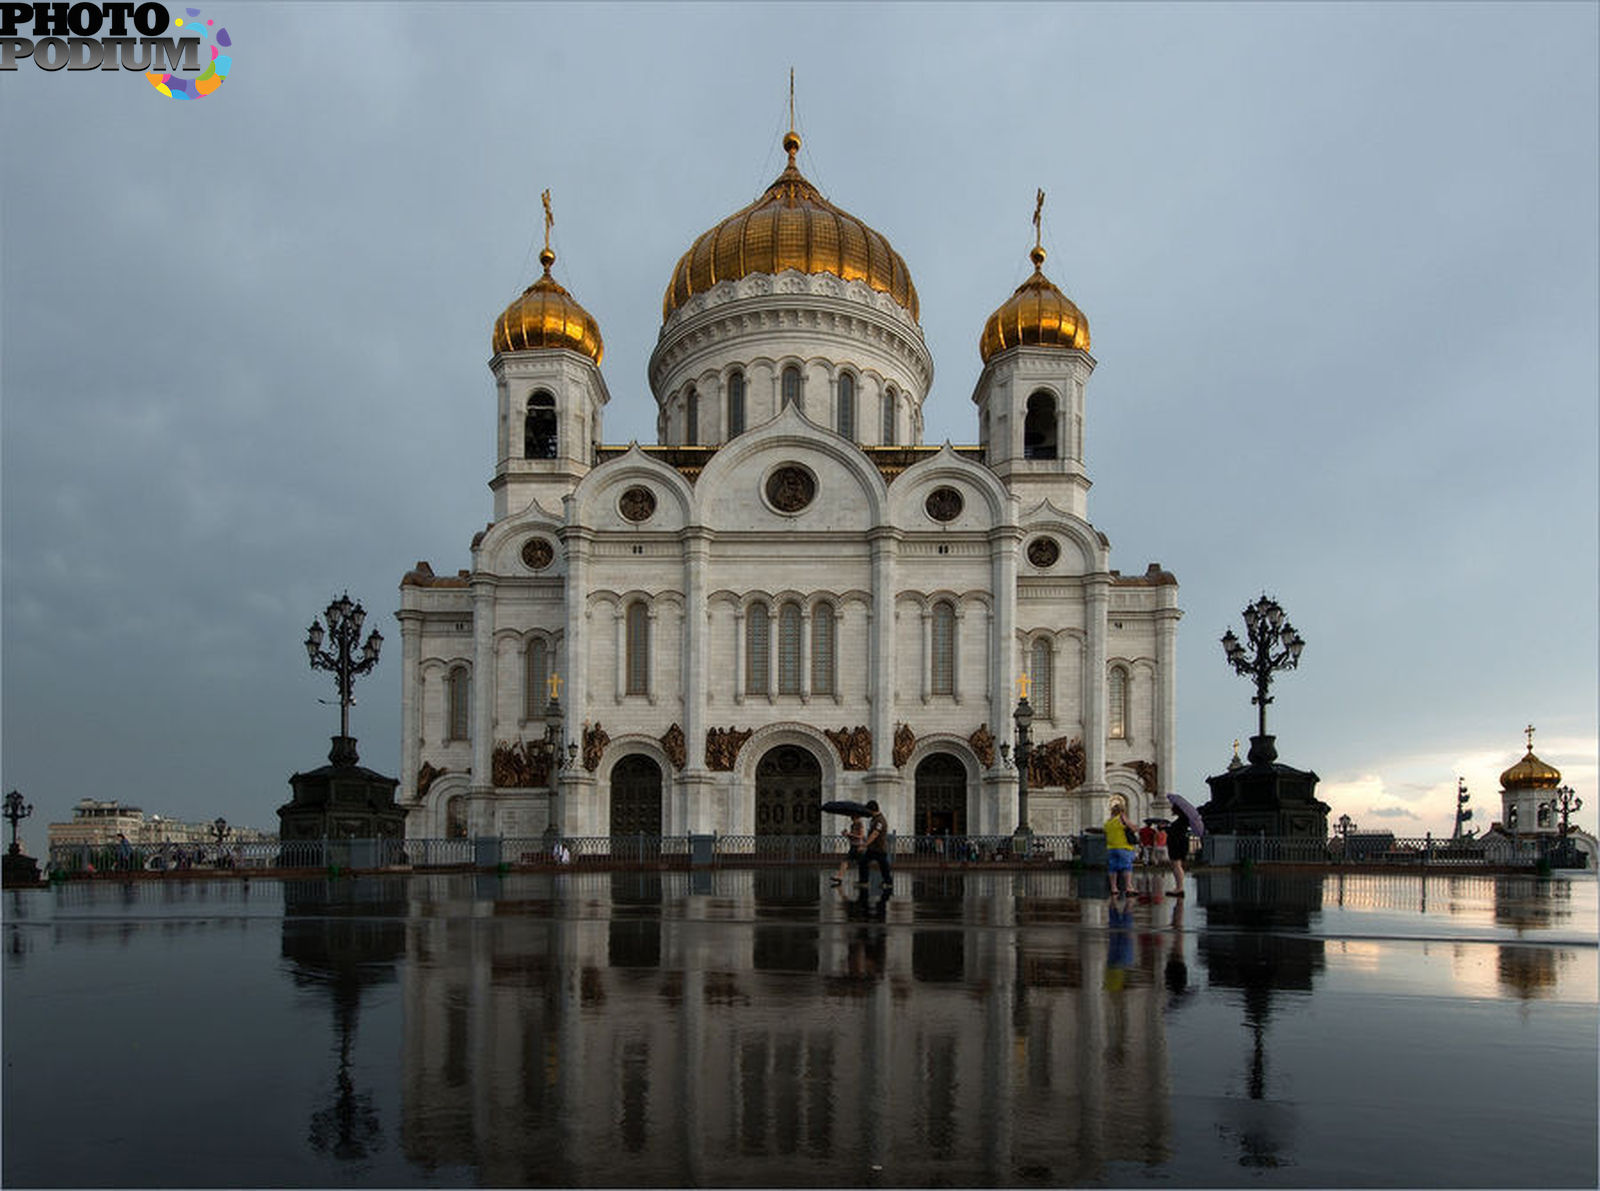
[1022, 684]
[549, 218]
[555, 686]
[1038, 233]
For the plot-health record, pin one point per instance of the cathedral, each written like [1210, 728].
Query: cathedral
[790, 598]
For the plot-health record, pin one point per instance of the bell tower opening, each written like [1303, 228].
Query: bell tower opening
[1039, 427]
[539, 427]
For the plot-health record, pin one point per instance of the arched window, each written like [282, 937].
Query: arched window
[789, 649]
[1039, 427]
[535, 679]
[638, 648]
[455, 818]
[944, 648]
[757, 637]
[847, 405]
[791, 387]
[691, 417]
[1117, 704]
[889, 418]
[1040, 669]
[735, 404]
[458, 704]
[539, 427]
[823, 650]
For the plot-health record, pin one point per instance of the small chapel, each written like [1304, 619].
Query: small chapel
[790, 597]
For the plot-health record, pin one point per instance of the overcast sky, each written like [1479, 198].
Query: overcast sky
[1340, 264]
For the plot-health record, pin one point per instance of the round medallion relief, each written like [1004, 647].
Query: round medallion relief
[791, 488]
[944, 504]
[1044, 552]
[637, 503]
[537, 553]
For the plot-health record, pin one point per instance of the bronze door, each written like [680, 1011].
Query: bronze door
[941, 805]
[636, 797]
[788, 793]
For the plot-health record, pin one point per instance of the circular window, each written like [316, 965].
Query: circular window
[791, 488]
[944, 504]
[637, 504]
[1043, 552]
[537, 553]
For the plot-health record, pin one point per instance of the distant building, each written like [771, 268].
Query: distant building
[98, 822]
[1528, 819]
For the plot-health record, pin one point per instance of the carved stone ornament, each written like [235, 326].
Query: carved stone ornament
[791, 488]
[982, 742]
[944, 504]
[1058, 763]
[537, 554]
[1044, 552]
[904, 741]
[426, 774]
[854, 745]
[723, 745]
[676, 747]
[594, 745]
[1147, 774]
[637, 503]
[519, 766]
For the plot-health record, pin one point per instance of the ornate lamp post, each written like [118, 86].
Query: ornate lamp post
[1516, 837]
[1023, 717]
[17, 810]
[221, 830]
[560, 758]
[1275, 644]
[344, 630]
[1563, 802]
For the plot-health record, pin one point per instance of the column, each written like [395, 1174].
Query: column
[576, 782]
[1004, 543]
[483, 692]
[410, 709]
[1166, 698]
[1098, 602]
[694, 783]
[883, 778]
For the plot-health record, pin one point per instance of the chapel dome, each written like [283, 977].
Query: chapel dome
[1037, 314]
[791, 226]
[546, 316]
[1531, 772]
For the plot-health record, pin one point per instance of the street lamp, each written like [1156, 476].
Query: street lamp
[344, 626]
[1563, 802]
[221, 830]
[1023, 717]
[1345, 824]
[560, 759]
[16, 810]
[1275, 644]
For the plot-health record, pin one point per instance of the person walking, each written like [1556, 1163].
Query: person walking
[1177, 850]
[875, 847]
[1121, 835]
[854, 835]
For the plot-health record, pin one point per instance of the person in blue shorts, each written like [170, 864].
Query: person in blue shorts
[1121, 843]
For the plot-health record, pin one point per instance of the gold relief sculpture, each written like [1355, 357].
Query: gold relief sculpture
[791, 489]
[426, 774]
[1058, 763]
[519, 766]
[594, 745]
[723, 745]
[1147, 774]
[676, 747]
[854, 745]
[982, 742]
[904, 741]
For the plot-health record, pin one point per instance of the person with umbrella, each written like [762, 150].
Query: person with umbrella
[853, 835]
[1178, 830]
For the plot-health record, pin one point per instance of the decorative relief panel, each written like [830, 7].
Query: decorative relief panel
[1057, 763]
[944, 504]
[905, 740]
[1044, 552]
[854, 745]
[1147, 774]
[637, 503]
[723, 745]
[427, 773]
[522, 765]
[791, 488]
[537, 553]
[676, 747]
[595, 741]
[982, 742]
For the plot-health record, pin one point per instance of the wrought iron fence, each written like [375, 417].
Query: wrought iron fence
[1378, 850]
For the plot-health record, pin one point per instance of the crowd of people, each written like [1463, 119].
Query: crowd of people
[1155, 843]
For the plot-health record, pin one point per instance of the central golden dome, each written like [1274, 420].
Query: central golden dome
[791, 226]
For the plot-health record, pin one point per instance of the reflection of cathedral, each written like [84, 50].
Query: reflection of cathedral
[608, 1029]
[791, 597]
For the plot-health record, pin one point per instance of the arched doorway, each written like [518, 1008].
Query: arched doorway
[941, 801]
[636, 796]
[788, 793]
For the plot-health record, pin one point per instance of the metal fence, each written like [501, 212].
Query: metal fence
[1385, 851]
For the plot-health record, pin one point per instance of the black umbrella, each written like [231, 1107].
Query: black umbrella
[843, 806]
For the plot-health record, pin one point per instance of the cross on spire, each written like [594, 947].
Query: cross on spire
[1529, 731]
[1023, 683]
[1038, 233]
[555, 684]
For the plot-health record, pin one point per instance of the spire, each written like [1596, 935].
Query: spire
[1037, 255]
[546, 257]
[791, 139]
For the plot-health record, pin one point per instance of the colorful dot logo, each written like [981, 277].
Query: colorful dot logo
[175, 86]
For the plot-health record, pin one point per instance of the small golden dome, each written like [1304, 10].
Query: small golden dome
[547, 316]
[791, 226]
[1037, 314]
[1530, 772]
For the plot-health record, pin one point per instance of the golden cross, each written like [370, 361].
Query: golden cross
[549, 218]
[1529, 731]
[1022, 684]
[791, 99]
[1038, 234]
[555, 686]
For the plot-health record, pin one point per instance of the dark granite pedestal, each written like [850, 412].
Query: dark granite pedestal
[342, 800]
[20, 870]
[1264, 797]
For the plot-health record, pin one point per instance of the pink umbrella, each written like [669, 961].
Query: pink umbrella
[1196, 824]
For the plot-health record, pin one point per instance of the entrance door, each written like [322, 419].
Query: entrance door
[636, 797]
[788, 793]
[941, 803]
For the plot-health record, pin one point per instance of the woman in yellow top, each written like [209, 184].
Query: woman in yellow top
[1121, 837]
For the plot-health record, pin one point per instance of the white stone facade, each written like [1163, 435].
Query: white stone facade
[641, 576]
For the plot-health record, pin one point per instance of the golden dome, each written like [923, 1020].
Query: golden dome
[1530, 772]
[791, 226]
[1037, 314]
[546, 316]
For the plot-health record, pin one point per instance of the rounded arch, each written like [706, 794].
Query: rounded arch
[636, 784]
[434, 821]
[949, 468]
[1125, 784]
[789, 732]
[943, 780]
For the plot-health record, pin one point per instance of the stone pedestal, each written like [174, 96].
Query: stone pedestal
[342, 800]
[20, 870]
[1264, 797]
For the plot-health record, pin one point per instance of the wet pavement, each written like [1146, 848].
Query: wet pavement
[761, 1028]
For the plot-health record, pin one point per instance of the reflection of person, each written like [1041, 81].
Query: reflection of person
[1119, 947]
[1178, 850]
[875, 847]
[853, 835]
[1120, 836]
